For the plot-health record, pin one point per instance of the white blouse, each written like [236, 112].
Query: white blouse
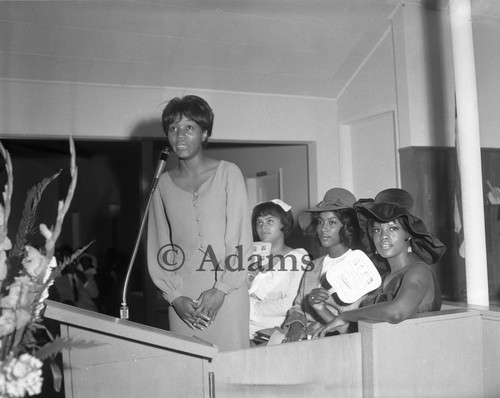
[272, 292]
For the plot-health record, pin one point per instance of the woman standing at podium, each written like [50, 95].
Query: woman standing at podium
[199, 233]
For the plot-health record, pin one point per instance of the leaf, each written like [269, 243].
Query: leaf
[77, 253]
[56, 374]
[62, 209]
[27, 223]
[50, 350]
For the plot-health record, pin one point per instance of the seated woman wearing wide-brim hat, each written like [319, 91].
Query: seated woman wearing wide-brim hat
[333, 224]
[411, 286]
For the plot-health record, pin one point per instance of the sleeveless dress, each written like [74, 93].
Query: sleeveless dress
[391, 291]
[200, 240]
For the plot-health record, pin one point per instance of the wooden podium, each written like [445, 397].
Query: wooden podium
[127, 359]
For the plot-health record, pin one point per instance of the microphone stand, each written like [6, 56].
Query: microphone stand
[124, 312]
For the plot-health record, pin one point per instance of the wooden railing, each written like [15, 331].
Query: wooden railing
[451, 353]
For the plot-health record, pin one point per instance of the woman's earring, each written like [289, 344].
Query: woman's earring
[409, 249]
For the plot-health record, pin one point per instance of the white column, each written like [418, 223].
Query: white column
[469, 153]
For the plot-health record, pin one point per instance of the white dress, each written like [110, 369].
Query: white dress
[272, 292]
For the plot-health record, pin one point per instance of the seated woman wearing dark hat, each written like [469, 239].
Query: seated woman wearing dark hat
[411, 286]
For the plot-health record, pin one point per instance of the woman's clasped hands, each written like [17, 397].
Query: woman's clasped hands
[201, 313]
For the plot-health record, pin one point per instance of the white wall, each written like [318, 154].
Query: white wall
[430, 81]
[486, 34]
[369, 97]
[409, 71]
[32, 109]
[424, 57]
[372, 90]
[421, 86]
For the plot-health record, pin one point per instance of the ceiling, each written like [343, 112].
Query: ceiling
[289, 47]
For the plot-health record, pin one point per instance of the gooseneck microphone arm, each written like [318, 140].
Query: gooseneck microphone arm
[124, 312]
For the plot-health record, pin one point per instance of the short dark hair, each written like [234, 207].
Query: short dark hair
[349, 233]
[272, 209]
[192, 107]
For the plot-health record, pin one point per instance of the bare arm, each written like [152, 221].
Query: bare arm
[413, 289]
[317, 300]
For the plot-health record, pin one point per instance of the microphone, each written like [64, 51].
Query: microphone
[162, 162]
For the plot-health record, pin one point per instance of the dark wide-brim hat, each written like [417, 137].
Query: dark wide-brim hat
[395, 203]
[334, 199]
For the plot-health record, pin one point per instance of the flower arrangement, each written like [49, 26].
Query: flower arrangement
[26, 274]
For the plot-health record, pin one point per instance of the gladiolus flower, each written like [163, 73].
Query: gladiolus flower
[2, 214]
[19, 293]
[34, 263]
[7, 322]
[22, 376]
[6, 244]
[45, 231]
[3, 266]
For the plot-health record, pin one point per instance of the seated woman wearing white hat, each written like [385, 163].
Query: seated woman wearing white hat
[411, 286]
